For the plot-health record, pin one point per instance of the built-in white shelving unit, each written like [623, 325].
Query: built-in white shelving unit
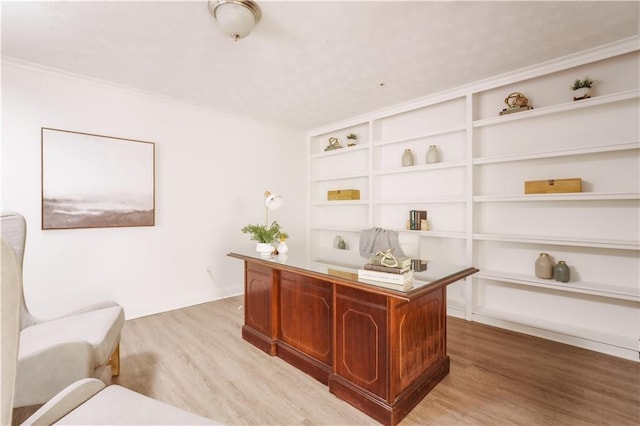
[477, 211]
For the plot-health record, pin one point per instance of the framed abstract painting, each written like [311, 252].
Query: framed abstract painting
[95, 181]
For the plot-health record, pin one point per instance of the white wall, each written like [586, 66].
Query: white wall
[211, 172]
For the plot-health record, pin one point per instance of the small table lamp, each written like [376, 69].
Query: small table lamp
[271, 202]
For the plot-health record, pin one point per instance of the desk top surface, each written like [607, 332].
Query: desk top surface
[436, 274]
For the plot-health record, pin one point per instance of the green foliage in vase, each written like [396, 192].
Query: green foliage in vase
[262, 234]
[352, 136]
[579, 84]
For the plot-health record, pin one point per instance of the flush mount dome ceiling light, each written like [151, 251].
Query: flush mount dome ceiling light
[236, 17]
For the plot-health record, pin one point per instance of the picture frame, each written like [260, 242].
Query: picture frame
[96, 181]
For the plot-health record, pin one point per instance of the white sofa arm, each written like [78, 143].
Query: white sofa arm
[43, 373]
[64, 402]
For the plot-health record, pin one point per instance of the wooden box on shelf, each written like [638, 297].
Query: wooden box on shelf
[553, 186]
[343, 194]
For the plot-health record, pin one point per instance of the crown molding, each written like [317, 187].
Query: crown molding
[97, 82]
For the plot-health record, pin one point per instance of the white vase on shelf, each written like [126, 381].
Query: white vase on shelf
[433, 156]
[407, 158]
[544, 266]
[582, 93]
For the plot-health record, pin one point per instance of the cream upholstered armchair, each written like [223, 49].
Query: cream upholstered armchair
[57, 352]
[85, 402]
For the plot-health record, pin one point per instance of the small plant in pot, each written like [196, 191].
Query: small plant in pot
[352, 139]
[266, 237]
[582, 88]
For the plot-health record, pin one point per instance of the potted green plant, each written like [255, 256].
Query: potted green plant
[352, 139]
[265, 237]
[582, 88]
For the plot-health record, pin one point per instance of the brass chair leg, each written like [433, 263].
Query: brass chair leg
[114, 361]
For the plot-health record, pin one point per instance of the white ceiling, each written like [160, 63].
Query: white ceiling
[307, 63]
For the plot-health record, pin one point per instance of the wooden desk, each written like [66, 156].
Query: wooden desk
[379, 349]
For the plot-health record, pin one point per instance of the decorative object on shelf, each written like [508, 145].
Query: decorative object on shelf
[516, 102]
[418, 220]
[334, 143]
[582, 88]
[235, 17]
[544, 266]
[561, 272]
[282, 247]
[343, 194]
[338, 243]
[352, 139]
[553, 186]
[433, 155]
[407, 158]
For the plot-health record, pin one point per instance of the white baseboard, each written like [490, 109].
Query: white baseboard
[606, 348]
[232, 291]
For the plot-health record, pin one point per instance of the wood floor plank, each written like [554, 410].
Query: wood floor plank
[195, 358]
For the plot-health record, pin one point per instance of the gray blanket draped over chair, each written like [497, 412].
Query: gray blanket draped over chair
[374, 240]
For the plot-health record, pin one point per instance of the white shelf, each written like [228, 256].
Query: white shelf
[448, 199]
[432, 234]
[557, 153]
[421, 168]
[601, 290]
[341, 203]
[435, 234]
[490, 315]
[574, 196]
[465, 192]
[585, 103]
[338, 228]
[561, 241]
[437, 132]
[340, 151]
[341, 177]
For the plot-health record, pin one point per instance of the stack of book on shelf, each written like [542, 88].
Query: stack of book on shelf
[418, 220]
[399, 277]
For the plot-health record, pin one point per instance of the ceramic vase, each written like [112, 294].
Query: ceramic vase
[282, 247]
[561, 272]
[433, 156]
[407, 158]
[544, 266]
[582, 93]
[264, 249]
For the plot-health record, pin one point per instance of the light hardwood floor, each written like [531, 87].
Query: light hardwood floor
[194, 358]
